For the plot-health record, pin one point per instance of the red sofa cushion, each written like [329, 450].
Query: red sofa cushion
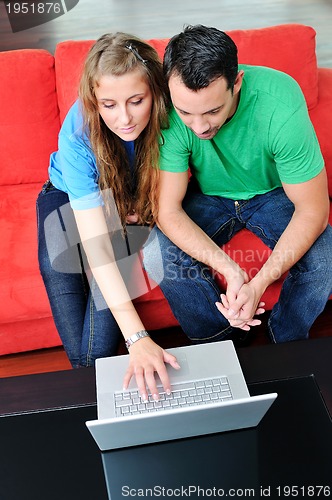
[29, 118]
[25, 317]
[289, 48]
[321, 118]
[22, 292]
[69, 59]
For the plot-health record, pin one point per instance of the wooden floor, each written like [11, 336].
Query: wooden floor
[55, 359]
[161, 19]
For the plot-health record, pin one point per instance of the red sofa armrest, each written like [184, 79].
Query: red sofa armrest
[321, 117]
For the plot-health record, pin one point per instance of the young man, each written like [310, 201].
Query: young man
[245, 134]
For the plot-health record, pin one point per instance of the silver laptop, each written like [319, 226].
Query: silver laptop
[209, 395]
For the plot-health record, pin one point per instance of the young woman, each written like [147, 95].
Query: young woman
[103, 177]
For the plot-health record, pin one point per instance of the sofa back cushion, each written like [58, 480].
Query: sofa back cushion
[29, 119]
[289, 48]
[69, 60]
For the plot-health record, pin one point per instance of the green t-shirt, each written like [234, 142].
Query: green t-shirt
[269, 139]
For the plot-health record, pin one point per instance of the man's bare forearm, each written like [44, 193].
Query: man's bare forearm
[190, 238]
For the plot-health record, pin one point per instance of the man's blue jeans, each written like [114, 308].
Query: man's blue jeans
[87, 332]
[192, 292]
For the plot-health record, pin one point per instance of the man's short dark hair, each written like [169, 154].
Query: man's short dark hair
[199, 55]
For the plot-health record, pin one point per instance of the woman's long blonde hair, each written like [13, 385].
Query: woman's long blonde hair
[117, 54]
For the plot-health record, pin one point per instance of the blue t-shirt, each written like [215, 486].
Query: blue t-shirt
[73, 168]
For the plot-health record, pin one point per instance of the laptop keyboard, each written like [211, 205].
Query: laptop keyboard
[198, 392]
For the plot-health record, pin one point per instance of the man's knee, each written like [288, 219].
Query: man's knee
[161, 256]
[153, 257]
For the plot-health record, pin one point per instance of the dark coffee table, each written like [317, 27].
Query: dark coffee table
[47, 452]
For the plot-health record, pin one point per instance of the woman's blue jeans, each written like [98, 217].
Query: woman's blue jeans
[192, 292]
[87, 331]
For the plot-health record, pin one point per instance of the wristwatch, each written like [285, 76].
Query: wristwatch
[134, 338]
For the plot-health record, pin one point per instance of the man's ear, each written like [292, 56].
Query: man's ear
[238, 82]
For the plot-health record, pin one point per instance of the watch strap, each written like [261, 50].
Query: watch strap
[137, 336]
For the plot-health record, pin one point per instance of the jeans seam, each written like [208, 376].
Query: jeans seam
[271, 333]
[91, 333]
[266, 239]
[221, 229]
[277, 305]
[224, 333]
[38, 219]
[212, 283]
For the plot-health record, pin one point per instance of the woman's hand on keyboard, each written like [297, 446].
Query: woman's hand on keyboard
[146, 359]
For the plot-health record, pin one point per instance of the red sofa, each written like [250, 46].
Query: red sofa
[37, 91]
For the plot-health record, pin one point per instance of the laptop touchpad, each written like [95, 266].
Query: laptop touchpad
[183, 373]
